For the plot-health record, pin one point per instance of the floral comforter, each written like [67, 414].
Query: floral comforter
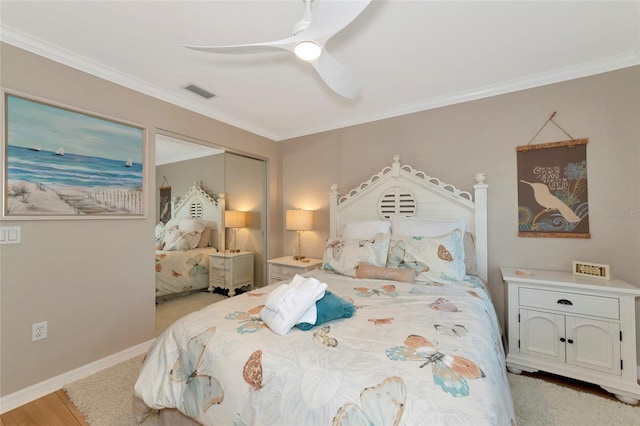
[180, 271]
[412, 354]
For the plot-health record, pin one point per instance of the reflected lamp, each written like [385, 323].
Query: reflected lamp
[299, 220]
[234, 219]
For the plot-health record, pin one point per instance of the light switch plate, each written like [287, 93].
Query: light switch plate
[592, 270]
[10, 235]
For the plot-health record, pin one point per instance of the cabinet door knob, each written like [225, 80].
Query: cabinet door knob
[570, 341]
[562, 339]
[565, 302]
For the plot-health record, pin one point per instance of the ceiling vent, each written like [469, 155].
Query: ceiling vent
[199, 91]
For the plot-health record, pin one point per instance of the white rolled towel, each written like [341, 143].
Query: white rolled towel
[292, 303]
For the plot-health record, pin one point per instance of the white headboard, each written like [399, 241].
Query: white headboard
[405, 191]
[198, 203]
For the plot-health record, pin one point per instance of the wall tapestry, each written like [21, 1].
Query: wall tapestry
[62, 163]
[165, 204]
[552, 190]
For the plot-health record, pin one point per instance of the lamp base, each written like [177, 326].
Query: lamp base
[234, 250]
[298, 257]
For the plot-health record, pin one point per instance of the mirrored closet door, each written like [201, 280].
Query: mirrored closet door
[228, 192]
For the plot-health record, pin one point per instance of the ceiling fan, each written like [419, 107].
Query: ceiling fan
[308, 42]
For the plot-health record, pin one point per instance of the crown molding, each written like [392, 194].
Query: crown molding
[40, 47]
[55, 53]
[584, 69]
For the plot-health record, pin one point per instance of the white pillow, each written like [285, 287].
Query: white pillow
[342, 255]
[417, 227]
[172, 223]
[366, 229]
[189, 225]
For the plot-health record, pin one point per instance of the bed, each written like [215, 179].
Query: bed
[421, 345]
[184, 243]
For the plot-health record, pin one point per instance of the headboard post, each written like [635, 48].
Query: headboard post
[481, 219]
[333, 211]
[395, 167]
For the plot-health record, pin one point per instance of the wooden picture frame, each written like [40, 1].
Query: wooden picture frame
[63, 163]
[552, 190]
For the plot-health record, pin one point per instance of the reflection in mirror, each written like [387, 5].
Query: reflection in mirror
[196, 181]
[189, 208]
[246, 191]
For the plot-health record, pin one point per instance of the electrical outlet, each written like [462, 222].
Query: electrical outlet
[38, 331]
[593, 270]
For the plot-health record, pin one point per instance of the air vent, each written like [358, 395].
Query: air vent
[199, 91]
[593, 270]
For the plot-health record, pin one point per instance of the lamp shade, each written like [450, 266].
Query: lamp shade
[299, 220]
[235, 219]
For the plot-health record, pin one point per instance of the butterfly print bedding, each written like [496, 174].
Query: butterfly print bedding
[411, 354]
[449, 371]
[201, 390]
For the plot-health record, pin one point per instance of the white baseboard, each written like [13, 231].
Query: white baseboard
[24, 396]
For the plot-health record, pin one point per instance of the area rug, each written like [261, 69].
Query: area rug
[169, 311]
[105, 397]
[542, 403]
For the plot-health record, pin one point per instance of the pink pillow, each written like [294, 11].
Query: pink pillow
[205, 236]
[365, 270]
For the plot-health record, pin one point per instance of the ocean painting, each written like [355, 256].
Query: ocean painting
[61, 162]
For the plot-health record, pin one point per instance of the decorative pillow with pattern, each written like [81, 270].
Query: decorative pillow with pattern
[160, 231]
[433, 259]
[177, 240]
[342, 255]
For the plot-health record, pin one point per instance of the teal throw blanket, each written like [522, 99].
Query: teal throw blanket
[330, 307]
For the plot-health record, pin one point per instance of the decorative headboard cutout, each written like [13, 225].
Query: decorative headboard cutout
[195, 209]
[198, 203]
[395, 201]
[408, 192]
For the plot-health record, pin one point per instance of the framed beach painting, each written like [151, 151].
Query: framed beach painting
[63, 163]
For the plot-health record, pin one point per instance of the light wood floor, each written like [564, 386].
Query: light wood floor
[57, 410]
[54, 409]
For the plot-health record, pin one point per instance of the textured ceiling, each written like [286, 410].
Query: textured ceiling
[408, 55]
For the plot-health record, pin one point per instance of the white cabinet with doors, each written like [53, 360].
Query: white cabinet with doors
[583, 328]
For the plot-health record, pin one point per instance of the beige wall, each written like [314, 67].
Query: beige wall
[92, 280]
[453, 143]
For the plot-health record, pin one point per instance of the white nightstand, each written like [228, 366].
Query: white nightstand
[285, 268]
[231, 270]
[573, 326]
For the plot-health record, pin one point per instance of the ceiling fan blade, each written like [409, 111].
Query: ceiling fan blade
[332, 16]
[337, 76]
[269, 46]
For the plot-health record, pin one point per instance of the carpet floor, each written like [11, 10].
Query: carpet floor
[105, 398]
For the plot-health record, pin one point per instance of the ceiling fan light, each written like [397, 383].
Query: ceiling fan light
[307, 50]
